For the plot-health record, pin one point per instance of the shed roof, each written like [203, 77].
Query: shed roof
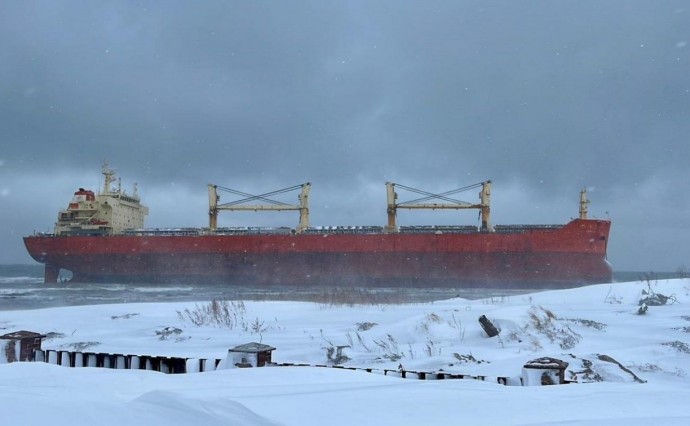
[21, 334]
[546, 363]
[252, 347]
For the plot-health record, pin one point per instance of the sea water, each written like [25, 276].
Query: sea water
[22, 287]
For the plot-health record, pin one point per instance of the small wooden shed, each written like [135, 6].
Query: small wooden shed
[19, 346]
[544, 371]
[249, 355]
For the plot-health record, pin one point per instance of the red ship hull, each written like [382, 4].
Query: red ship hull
[567, 256]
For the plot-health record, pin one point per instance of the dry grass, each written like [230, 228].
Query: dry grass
[219, 313]
[341, 296]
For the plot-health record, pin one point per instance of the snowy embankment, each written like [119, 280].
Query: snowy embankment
[588, 327]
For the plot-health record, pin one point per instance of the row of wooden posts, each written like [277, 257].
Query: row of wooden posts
[411, 374]
[163, 364]
[176, 365]
[26, 346]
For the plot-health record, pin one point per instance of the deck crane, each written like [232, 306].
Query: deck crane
[269, 205]
[450, 203]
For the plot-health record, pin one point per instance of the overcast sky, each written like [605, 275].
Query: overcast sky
[542, 97]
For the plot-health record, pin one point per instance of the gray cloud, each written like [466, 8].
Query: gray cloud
[543, 97]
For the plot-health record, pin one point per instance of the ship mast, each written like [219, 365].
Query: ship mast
[484, 205]
[271, 205]
[583, 203]
[109, 178]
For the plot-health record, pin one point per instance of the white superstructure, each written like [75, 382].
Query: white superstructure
[111, 211]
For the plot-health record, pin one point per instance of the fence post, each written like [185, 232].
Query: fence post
[120, 362]
[92, 360]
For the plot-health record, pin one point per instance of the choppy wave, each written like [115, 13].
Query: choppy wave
[28, 280]
[22, 287]
[159, 289]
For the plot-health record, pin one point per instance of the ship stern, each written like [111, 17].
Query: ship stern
[36, 247]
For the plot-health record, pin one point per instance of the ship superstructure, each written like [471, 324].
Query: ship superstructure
[110, 212]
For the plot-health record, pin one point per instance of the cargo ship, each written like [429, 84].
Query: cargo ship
[101, 237]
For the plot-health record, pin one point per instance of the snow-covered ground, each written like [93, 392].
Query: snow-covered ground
[587, 327]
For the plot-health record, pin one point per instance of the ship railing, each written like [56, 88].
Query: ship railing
[129, 199]
[161, 232]
[354, 230]
[514, 229]
[318, 230]
[206, 231]
[45, 234]
[253, 230]
[438, 229]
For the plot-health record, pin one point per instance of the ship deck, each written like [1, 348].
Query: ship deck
[335, 230]
[320, 230]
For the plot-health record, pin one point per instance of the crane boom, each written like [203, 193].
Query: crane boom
[303, 207]
[483, 206]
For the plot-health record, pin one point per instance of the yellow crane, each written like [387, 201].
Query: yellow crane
[449, 203]
[269, 205]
